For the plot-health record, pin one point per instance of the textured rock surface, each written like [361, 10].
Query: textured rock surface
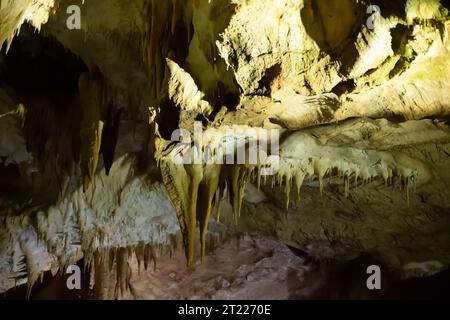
[392, 221]
[246, 268]
[362, 114]
[119, 211]
[14, 13]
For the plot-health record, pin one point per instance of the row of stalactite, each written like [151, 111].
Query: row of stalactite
[195, 189]
[108, 263]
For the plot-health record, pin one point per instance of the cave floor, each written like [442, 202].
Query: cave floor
[248, 267]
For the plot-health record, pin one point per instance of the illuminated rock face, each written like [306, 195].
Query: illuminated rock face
[359, 95]
[14, 13]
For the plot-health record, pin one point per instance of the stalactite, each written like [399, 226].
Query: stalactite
[195, 174]
[207, 191]
[75, 228]
[122, 282]
[157, 41]
[101, 263]
[175, 13]
[237, 177]
[139, 253]
[288, 184]
[149, 257]
[13, 13]
[110, 136]
[91, 99]
[192, 187]
[177, 193]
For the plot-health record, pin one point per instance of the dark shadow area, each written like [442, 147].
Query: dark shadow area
[39, 66]
[269, 76]
[226, 92]
[11, 184]
[391, 8]
[344, 87]
[342, 280]
[334, 26]
[42, 76]
[52, 288]
[347, 280]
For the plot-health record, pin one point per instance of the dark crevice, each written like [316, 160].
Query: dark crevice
[43, 76]
[344, 87]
